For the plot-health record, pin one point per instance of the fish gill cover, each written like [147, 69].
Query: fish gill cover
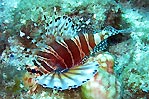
[74, 49]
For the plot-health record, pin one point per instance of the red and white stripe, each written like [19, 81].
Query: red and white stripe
[67, 53]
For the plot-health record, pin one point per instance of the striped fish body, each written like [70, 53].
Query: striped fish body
[62, 63]
[64, 54]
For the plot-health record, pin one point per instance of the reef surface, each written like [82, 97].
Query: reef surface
[126, 76]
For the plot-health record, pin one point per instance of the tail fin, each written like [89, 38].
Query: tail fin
[69, 78]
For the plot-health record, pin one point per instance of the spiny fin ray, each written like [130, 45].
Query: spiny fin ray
[61, 27]
[72, 78]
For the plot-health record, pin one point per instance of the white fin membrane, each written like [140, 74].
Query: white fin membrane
[72, 78]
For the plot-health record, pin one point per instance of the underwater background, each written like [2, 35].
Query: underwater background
[124, 72]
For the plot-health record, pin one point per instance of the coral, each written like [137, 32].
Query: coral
[30, 17]
[136, 3]
[132, 68]
[131, 56]
[11, 83]
[102, 86]
[136, 84]
[3, 42]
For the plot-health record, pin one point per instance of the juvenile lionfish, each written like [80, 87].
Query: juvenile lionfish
[62, 55]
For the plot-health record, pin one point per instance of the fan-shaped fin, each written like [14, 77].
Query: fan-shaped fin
[69, 78]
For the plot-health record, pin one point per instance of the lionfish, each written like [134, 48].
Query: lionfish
[61, 59]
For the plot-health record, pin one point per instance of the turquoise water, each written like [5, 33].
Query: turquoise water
[73, 49]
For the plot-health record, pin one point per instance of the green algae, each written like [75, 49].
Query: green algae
[132, 55]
